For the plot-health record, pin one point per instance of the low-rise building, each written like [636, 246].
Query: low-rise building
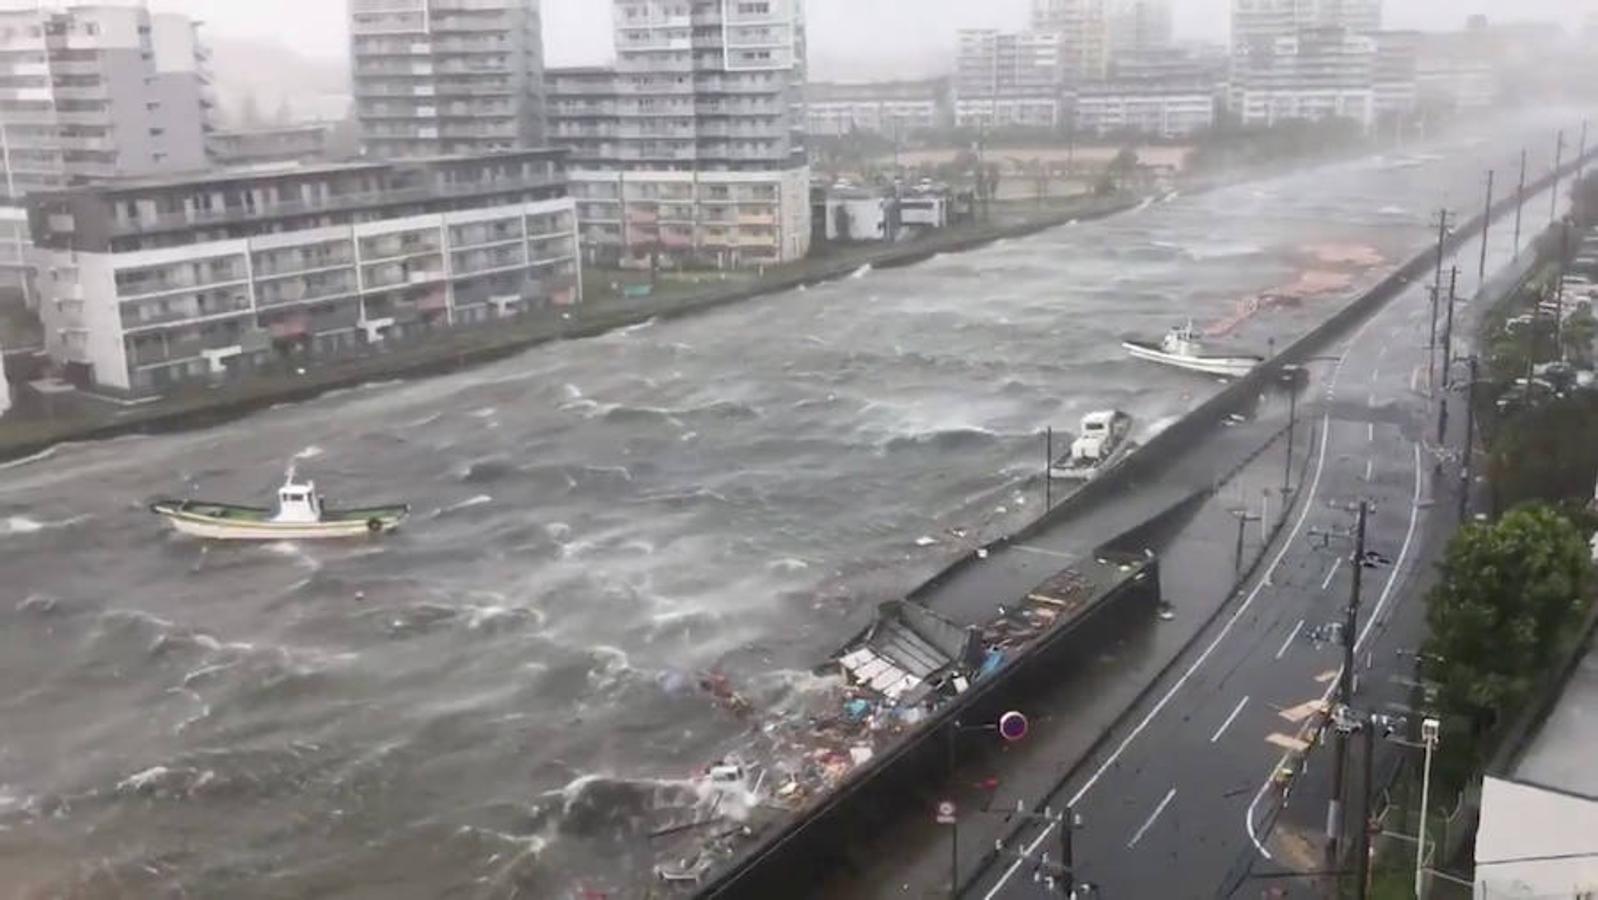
[146, 284]
[260, 146]
[649, 218]
[1538, 835]
[883, 107]
[1154, 107]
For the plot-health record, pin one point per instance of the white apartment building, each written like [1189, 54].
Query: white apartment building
[725, 220]
[1456, 71]
[1150, 108]
[93, 92]
[887, 108]
[1009, 79]
[713, 87]
[1318, 73]
[1258, 24]
[1083, 28]
[1139, 26]
[447, 77]
[147, 284]
[1396, 77]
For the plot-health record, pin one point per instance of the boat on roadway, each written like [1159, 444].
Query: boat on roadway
[299, 515]
[1183, 348]
[1104, 441]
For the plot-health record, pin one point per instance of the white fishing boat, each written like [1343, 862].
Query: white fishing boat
[1105, 441]
[299, 516]
[1183, 348]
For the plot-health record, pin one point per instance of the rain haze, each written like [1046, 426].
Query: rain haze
[843, 449]
[847, 35]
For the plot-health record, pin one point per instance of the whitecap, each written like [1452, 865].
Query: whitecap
[22, 525]
[310, 452]
[787, 564]
[140, 780]
[861, 272]
[483, 412]
[468, 503]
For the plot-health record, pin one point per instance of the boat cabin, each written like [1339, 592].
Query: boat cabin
[1183, 340]
[298, 502]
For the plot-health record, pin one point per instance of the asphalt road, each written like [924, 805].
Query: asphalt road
[1180, 801]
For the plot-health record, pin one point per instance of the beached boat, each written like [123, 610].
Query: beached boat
[1104, 442]
[1183, 348]
[299, 515]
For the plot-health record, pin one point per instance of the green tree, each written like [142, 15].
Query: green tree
[1577, 334]
[1509, 596]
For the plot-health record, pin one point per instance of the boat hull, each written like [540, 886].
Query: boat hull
[1227, 366]
[186, 519]
[1073, 470]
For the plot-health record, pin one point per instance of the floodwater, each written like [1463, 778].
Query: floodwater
[490, 701]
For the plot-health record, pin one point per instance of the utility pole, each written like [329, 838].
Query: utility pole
[1345, 689]
[1437, 289]
[1581, 155]
[1068, 853]
[1486, 224]
[1470, 442]
[1448, 324]
[1292, 428]
[1363, 865]
[1559, 293]
[1520, 199]
[1448, 351]
[1048, 468]
[1559, 160]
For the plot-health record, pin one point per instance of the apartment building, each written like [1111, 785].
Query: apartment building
[1456, 71]
[1396, 75]
[1258, 24]
[882, 107]
[1139, 26]
[264, 146]
[1317, 73]
[1153, 107]
[94, 92]
[704, 92]
[1083, 29]
[447, 77]
[145, 284]
[1009, 79]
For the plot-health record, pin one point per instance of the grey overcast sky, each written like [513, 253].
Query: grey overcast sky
[849, 38]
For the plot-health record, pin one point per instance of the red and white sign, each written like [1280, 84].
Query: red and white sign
[946, 812]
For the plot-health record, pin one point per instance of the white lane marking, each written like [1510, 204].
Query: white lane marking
[1228, 723]
[1370, 465]
[1331, 573]
[1282, 651]
[1155, 815]
[1042, 552]
[1331, 684]
[1370, 431]
[1376, 373]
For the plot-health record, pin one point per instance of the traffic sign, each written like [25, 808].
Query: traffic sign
[946, 812]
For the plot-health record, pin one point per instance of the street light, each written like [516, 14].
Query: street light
[1429, 729]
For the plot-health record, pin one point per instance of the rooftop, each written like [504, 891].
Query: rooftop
[248, 173]
[1560, 756]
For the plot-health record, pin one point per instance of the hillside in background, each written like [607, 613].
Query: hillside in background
[276, 82]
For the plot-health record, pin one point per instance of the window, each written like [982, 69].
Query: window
[157, 132]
